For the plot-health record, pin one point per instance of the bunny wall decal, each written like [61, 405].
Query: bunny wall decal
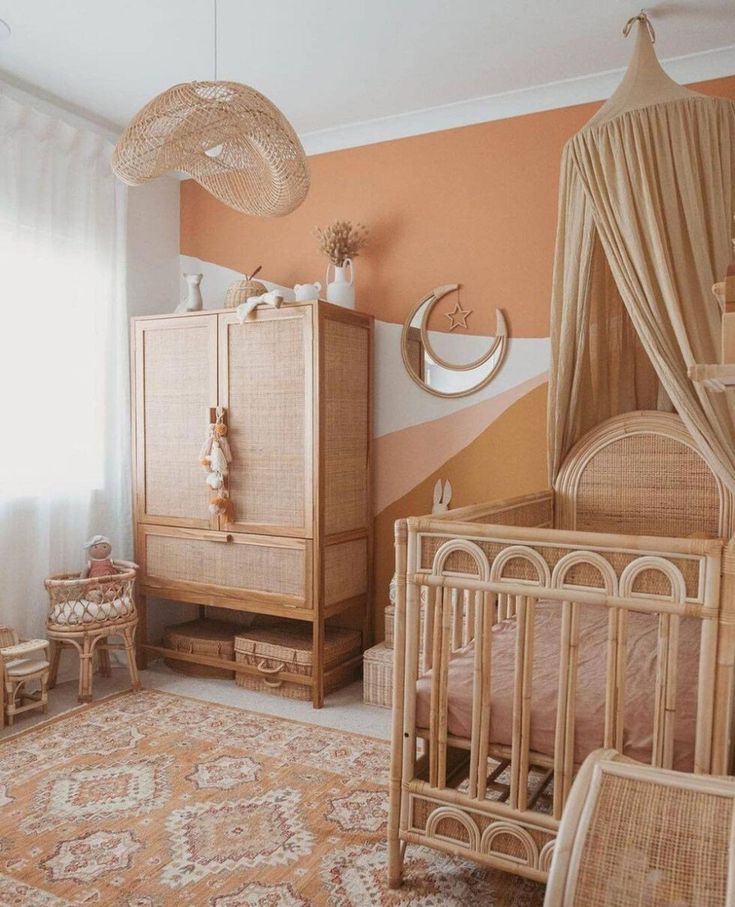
[442, 496]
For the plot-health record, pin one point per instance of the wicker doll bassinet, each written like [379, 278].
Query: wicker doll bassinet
[83, 613]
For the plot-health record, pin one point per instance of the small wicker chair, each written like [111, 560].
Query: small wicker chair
[83, 613]
[22, 662]
[636, 836]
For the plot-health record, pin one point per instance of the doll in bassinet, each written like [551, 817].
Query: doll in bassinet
[99, 563]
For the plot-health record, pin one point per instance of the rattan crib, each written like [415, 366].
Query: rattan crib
[625, 573]
[83, 613]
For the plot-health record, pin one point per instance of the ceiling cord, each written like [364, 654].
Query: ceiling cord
[214, 39]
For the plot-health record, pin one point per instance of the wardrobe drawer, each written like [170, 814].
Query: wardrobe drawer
[210, 567]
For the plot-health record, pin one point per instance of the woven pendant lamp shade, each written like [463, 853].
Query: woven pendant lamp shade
[228, 137]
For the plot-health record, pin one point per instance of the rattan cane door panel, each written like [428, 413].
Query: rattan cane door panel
[217, 567]
[176, 384]
[345, 423]
[266, 386]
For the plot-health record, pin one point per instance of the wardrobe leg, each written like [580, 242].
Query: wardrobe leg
[317, 690]
[141, 632]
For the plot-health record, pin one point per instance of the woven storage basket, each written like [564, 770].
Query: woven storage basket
[242, 290]
[377, 676]
[287, 646]
[201, 637]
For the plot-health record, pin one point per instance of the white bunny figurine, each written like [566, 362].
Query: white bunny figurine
[442, 497]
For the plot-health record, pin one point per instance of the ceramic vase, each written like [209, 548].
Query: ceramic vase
[341, 291]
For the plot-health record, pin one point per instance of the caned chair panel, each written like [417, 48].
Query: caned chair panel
[345, 570]
[259, 564]
[641, 474]
[632, 835]
[345, 425]
[265, 371]
[176, 387]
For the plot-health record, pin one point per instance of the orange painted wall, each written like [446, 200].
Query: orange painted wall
[475, 206]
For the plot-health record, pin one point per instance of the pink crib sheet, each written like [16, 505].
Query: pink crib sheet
[640, 677]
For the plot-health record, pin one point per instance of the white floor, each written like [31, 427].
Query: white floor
[344, 709]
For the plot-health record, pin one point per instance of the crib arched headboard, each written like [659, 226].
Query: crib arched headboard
[641, 473]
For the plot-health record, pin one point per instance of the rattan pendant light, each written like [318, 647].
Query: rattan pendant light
[230, 138]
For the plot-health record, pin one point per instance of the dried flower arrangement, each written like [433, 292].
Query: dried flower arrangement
[341, 240]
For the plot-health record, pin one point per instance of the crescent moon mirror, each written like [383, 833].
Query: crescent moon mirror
[444, 363]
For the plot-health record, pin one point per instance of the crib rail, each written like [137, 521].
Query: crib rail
[500, 803]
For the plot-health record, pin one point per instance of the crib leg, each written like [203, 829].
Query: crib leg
[396, 852]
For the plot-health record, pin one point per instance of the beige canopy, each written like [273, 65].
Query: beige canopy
[645, 219]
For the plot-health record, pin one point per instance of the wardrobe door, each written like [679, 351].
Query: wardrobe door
[175, 386]
[265, 384]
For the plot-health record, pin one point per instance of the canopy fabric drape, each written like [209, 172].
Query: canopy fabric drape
[645, 218]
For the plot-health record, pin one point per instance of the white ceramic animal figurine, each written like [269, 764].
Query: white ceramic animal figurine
[442, 496]
[193, 301]
[306, 291]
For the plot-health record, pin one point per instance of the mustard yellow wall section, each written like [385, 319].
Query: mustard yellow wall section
[508, 458]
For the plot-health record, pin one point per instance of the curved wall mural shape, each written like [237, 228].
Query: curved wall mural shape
[475, 206]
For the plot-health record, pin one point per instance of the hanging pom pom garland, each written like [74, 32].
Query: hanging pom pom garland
[215, 456]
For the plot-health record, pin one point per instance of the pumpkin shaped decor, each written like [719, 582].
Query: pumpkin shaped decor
[242, 290]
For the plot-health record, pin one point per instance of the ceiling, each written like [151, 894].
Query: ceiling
[331, 63]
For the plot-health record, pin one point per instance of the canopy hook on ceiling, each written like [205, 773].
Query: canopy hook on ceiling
[643, 18]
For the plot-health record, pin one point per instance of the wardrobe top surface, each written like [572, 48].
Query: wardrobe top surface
[350, 314]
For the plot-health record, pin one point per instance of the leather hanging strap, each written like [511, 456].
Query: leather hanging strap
[643, 18]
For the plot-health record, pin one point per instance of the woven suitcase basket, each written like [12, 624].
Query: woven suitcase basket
[377, 676]
[202, 637]
[287, 646]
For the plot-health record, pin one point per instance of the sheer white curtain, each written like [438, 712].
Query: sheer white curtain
[64, 463]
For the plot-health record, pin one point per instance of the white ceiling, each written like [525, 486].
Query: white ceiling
[332, 63]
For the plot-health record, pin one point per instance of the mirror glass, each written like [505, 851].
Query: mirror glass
[449, 364]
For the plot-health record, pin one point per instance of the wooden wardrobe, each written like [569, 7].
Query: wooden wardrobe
[295, 384]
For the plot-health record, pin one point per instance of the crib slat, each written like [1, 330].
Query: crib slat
[477, 702]
[435, 687]
[611, 674]
[487, 605]
[519, 607]
[471, 629]
[449, 602]
[703, 757]
[526, 701]
[659, 709]
[571, 703]
[457, 619]
[561, 707]
[428, 640]
[622, 655]
[670, 697]
[502, 606]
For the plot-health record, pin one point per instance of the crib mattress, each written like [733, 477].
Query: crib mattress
[640, 678]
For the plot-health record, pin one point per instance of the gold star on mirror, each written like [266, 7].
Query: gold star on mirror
[458, 316]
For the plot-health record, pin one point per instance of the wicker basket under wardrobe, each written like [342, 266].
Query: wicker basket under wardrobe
[294, 387]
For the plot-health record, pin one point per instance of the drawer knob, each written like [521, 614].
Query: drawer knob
[229, 538]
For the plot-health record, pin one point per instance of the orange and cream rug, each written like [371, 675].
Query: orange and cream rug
[149, 799]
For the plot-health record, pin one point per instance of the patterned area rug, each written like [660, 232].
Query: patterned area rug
[150, 800]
